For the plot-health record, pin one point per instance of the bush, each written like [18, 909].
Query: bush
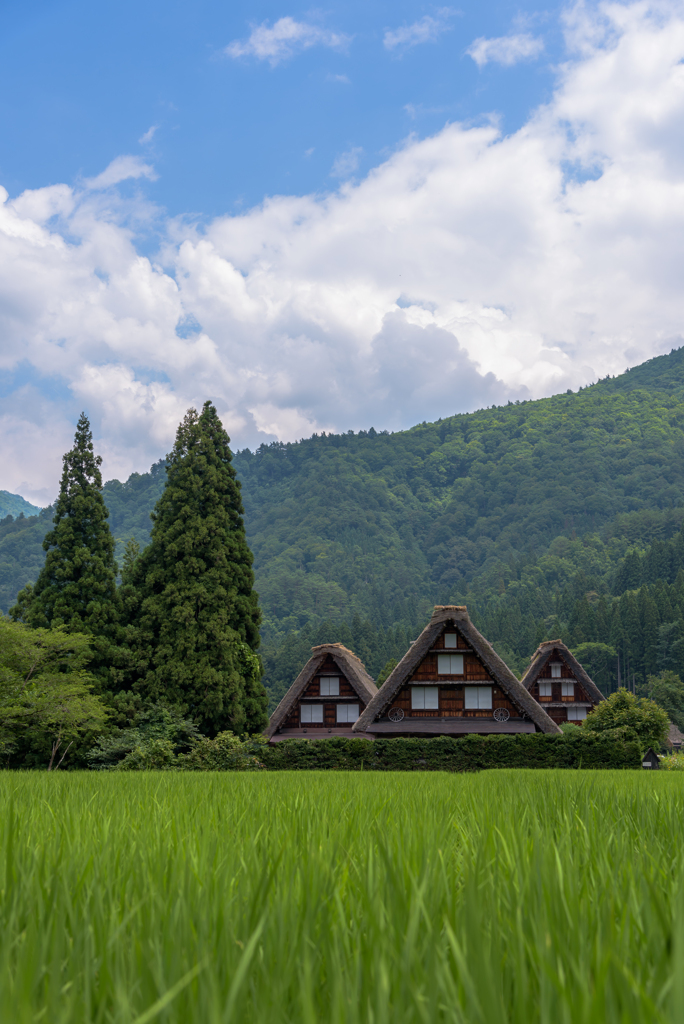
[622, 709]
[618, 748]
[225, 753]
[152, 755]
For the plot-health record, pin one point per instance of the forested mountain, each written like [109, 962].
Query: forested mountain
[15, 505]
[527, 512]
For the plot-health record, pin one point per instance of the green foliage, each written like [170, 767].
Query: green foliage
[76, 588]
[573, 749]
[21, 553]
[225, 753]
[15, 505]
[387, 671]
[667, 690]
[190, 599]
[153, 729]
[363, 898]
[46, 703]
[623, 709]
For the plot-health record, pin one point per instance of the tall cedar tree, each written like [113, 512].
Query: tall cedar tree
[190, 594]
[76, 588]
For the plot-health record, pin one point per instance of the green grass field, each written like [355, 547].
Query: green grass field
[342, 897]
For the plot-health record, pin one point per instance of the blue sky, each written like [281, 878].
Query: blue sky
[326, 218]
[88, 81]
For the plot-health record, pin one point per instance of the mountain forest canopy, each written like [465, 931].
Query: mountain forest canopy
[559, 517]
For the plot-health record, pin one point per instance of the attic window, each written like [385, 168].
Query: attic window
[555, 669]
[347, 713]
[330, 686]
[450, 664]
[567, 689]
[311, 713]
[451, 639]
[478, 697]
[545, 690]
[425, 698]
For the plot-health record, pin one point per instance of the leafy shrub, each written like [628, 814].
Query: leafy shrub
[623, 709]
[151, 755]
[156, 724]
[225, 753]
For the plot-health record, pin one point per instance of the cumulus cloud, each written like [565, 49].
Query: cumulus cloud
[467, 269]
[284, 39]
[426, 30]
[506, 50]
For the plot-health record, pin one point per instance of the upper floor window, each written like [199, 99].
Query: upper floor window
[450, 664]
[347, 712]
[478, 697]
[451, 639]
[577, 714]
[545, 689]
[425, 698]
[330, 686]
[555, 669]
[567, 689]
[311, 713]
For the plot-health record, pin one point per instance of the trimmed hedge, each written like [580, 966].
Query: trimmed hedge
[618, 749]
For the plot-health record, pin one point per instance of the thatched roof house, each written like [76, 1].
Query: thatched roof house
[558, 682]
[326, 698]
[449, 683]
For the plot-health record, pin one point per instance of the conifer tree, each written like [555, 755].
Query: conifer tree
[195, 610]
[76, 588]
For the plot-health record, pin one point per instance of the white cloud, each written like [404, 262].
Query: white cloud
[467, 269]
[283, 39]
[346, 163]
[148, 135]
[426, 30]
[120, 169]
[506, 50]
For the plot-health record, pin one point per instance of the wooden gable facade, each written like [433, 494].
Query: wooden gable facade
[560, 685]
[449, 683]
[327, 697]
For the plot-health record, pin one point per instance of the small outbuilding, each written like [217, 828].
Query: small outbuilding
[558, 682]
[326, 698]
[451, 682]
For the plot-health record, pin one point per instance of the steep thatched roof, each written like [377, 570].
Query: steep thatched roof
[543, 655]
[456, 615]
[350, 666]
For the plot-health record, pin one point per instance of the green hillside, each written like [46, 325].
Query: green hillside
[520, 510]
[14, 505]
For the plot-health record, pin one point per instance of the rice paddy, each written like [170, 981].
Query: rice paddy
[516, 897]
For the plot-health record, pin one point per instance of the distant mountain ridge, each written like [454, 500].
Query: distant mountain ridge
[15, 505]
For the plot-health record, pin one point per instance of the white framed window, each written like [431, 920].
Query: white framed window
[347, 712]
[425, 698]
[555, 669]
[451, 639]
[330, 686]
[577, 714]
[450, 664]
[311, 713]
[479, 697]
[545, 690]
[567, 689]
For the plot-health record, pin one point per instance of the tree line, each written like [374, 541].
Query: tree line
[181, 628]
